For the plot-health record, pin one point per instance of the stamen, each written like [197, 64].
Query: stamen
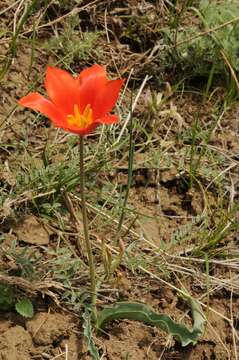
[77, 112]
[79, 119]
[86, 111]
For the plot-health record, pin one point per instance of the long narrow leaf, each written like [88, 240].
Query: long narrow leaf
[89, 337]
[130, 172]
[141, 312]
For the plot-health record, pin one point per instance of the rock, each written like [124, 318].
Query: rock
[31, 231]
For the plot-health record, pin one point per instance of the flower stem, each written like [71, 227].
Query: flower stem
[86, 229]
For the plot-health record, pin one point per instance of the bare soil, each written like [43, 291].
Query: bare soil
[52, 333]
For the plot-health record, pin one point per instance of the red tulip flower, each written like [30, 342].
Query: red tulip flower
[77, 105]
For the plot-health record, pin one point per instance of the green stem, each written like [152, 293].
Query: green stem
[86, 229]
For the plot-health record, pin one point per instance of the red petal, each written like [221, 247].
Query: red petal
[92, 80]
[62, 89]
[36, 101]
[106, 98]
[108, 119]
[95, 71]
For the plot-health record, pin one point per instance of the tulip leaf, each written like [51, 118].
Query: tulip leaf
[141, 312]
[89, 337]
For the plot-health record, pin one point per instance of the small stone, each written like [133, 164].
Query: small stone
[31, 231]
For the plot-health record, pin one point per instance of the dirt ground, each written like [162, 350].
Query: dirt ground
[168, 226]
[51, 333]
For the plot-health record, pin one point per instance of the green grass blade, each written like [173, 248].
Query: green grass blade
[130, 172]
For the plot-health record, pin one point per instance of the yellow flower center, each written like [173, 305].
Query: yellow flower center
[80, 120]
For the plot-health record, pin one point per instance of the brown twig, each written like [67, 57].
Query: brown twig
[233, 74]
[78, 224]
[33, 287]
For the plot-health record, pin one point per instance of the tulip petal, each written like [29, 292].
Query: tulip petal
[91, 80]
[96, 71]
[36, 101]
[106, 98]
[108, 119]
[62, 89]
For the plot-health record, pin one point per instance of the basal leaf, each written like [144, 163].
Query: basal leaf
[89, 337]
[141, 312]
